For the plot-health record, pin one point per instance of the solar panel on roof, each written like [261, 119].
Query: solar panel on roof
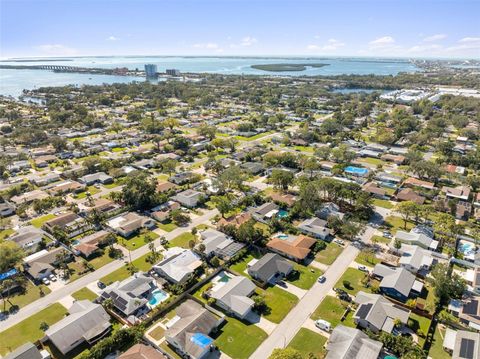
[471, 307]
[466, 348]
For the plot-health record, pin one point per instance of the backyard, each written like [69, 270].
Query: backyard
[419, 325]
[307, 341]
[436, 348]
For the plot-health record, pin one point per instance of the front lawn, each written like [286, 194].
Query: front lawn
[136, 241]
[5, 233]
[303, 277]
[84, 293]
[29, 330]
[91, 190]
[307, 341]
[383, 203]
[182, 240]
[279, 303]
[38, 222]
[331, 309]
[329, 254]
[397, 223]
[354, 277]
[31, 294]
[167, 226]
[122, 273]
[238, 339]
[367, 259]
[380, 239]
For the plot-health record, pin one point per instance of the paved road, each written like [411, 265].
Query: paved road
[82, 282]
[290, 325]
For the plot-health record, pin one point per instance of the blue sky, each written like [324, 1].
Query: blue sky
[407, 28]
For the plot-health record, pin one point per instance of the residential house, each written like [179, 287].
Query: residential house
[90, 245]
[293, 247]
[349, 343]
[6, 209]
[142, 351]
[419, 236]
[265, 212]
[165, 186]
[283, 198]
[467, 311]
[181, 178]
[70, 223]
[188, 332]
[329, 209]
[29, 197]
[315, 227]
[63, 187]
[131, 295]
[98, 177]
[462, 344]
[397, 159]
[234, 296]
[129, 223]
[188, 198]
[162, 213]
[269, 268]
[219, 244]
[415, 182]
[28, 351]
[28, 237]
[397, 283]
[460, 192]
[41, 264]
[416, 259]
[236, 220]
[45, 180]
[99, 205]
[178, 265]
[87, 323]
[408, 194]
[374, 190]
[376, 313]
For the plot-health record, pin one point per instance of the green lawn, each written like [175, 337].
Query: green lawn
[136, 241]
[100, 261]
[182, 240]
[167, 226]
[239, 340]
[381, 239]
[383, 203]
[329, 254]
[307, 341]
[253, 138]
[241, 266]
[28, 330]
[367, 259]
[372, 161]
[355, 277]
[279, 302]
[38, 222]
[331, 309]
[436, 350]
[397, 223]
[31, 294]
[5, 233]
[112, 185]
[416, 322]
[91, 189]
[303, 277]
[84, 293]
[140, 263]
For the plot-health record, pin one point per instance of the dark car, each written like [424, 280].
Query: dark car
[101, 285]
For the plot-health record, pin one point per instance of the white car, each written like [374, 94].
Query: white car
[363, 268]
[321, 279]
[339, 241]
[323, 325]
[45, 281]
[52, 277]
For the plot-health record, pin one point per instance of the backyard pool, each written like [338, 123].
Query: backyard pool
[358, 171]
[467, 249]
[282, 213]
[157, 297]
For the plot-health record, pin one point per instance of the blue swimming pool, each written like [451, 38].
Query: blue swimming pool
[201, 340]
[466, 247]
[356, 170]
[158, 296]
[282, 236]
[282, 213]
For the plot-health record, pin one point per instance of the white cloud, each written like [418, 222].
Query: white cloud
[248, 41]
[56, 50]
[112, 38]
[435, 37]
[382, 41]
[469, 39]
[331, 45]
[208, 46]
[417, 49]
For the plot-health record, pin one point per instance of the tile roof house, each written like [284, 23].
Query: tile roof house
[188, 332]
[101, 205]
[269, 268]
[65, 187]
[236, 220]
[142, 351]
[285, 198]
[128, 224]
[130, 296]
[397, 283]
[178, 265]
[70, 223]
[315, 227]
[377, 313]
[90, 244]
[29, 197]
[460, 192]
[349, 343]
[233, 296]
[415, 182]
[165, 186]
[87, 323]
[219, 244]
[293, 247]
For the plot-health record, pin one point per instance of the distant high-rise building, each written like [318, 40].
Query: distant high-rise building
[173, 72]
[151, 71]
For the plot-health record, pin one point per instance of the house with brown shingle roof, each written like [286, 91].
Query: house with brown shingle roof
[70, 223]
[415, 182]
[408, 194]
[285, 198]
[236, 220]
[293, 247]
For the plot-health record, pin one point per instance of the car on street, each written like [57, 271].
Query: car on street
[387, 234]
[321, 279]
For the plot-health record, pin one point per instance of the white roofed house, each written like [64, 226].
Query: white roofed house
[179, 265]
[420, 236]
[415, 259]
[188, 198]
[87, 323]
[218, 244]
[128, 224]
[315, 227]
[351, 343]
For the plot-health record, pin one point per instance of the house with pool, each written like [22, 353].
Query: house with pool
[293, 247]
[356, 171]
[267, 211]
[134, 296]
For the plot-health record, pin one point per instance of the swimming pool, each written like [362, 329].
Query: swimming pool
[466, 247]
[157, 297]
[75, 242]
[356, 170]
[282, 213]
[282, 236]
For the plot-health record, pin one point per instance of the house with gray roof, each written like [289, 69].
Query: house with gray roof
[28, 351]
[377, 314]
[131, 295]
[233, 295]
[416, 259]
[329, 209]
[419, 236]
[265, 212]
[397, 283]
[219, 244]
[348, 343]
[269, 268]
[188, 198]
[87, 323]
[98, 177]
[188, 332]
[28, 237]
[315, 227]
[462, 344]
[178, 265]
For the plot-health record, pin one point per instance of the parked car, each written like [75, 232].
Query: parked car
[45, 281]
[321, 279]
[387, 234]
[52, 277]
[344, 296]
[339, 241]
[323, 324]
[363, 268]
[101, 285]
